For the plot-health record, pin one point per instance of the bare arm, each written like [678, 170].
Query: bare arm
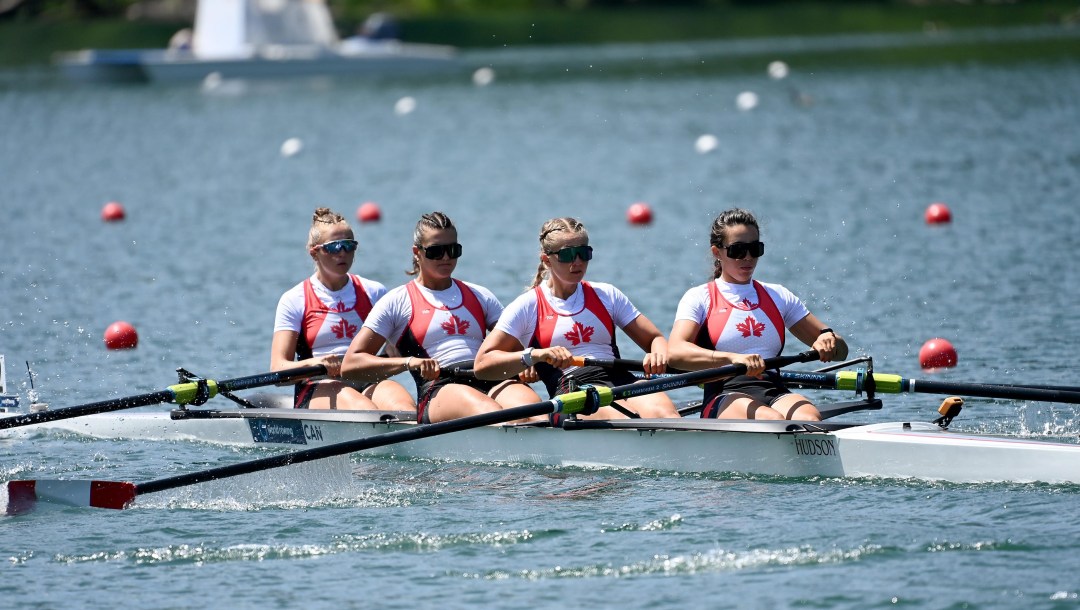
[363, 364]
[830, 345]
[685, 354]
[283, 354]
[649, 338]
[500, 355]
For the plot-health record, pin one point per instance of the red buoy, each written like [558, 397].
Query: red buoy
[121, 335]
[639, 214]
[368, 212]
[938, 213]
[112, 212]
[937, 353]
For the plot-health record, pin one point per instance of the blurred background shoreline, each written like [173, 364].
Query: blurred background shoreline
[31, 31]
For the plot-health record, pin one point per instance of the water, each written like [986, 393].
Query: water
[839, 165]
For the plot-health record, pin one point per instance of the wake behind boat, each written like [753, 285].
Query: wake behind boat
[246, 39]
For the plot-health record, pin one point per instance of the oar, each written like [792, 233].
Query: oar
[181, 393]
[895, 384]
[119, 494]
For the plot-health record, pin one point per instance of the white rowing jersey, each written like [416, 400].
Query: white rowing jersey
[326, 320]
[584, 323]
[447, 325]
[741, 318]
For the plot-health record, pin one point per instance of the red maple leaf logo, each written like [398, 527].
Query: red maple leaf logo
[340, 307]
[579, 333]
[344, 329]
[750, 326]
[747, 305]
[455, 325]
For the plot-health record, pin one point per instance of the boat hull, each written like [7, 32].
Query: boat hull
[788, 449]
[163, 67]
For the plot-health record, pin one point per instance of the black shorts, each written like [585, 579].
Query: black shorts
[590, 375]
[765, 390]
[595, 375]
[427, 390]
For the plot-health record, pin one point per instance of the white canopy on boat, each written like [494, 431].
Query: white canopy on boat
[231, 29]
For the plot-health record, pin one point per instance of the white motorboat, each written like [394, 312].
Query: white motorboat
[247, 39]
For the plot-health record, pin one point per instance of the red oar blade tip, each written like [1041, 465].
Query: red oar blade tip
[22, 496]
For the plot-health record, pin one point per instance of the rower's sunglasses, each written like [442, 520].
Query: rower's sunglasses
[339, 245]
[441, 250]
[740, 249]
[567, 255]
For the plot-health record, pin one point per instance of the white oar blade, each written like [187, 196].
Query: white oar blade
[23, 495]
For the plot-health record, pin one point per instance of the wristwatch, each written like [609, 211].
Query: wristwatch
[526, 357]
[826, 330]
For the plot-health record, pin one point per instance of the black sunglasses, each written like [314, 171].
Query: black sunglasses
[441, 250]
[740, 249]
[567, 255]
[333, 247]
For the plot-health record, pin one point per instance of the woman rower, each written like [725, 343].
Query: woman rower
[318, 318]
[437, 323]
[734, 319]
[564, 316]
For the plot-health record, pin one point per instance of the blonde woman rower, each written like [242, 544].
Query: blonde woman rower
[318, 318]
[436, 322]
[563, 316]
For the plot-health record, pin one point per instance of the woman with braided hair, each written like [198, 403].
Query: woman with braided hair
[734, 319]
[318, 318]
[563, 316]
[436, 323]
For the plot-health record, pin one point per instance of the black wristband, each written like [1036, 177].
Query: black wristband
[826, 330]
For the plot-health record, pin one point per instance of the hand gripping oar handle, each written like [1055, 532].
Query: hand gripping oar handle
[181, 393]
[113, 494]
[895, 384]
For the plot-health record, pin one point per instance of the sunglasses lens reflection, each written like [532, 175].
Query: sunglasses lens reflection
[567, 255]
[439, 251]
[740, 249]
[334, 247]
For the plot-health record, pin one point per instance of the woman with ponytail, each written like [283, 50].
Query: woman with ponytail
[318, 318]
[436, 323]
[563, 316]
[734, 319]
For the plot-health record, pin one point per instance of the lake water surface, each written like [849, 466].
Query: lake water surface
[838, 164]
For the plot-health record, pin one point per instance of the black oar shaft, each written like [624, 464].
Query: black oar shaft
[154, 398]
[455, 425]
[895, 384]
[371, 442]
[993, 391]
[104, 406]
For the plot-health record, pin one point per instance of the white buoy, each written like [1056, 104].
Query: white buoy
[404, 106]
[706, 143]
[211, 81]
[747, 100]
[291, 147]
[778, 70]
[483, 77]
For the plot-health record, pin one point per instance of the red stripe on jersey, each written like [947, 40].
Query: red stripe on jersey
[720, 310]
[315, 313]
[547, 318]
[423, 311]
